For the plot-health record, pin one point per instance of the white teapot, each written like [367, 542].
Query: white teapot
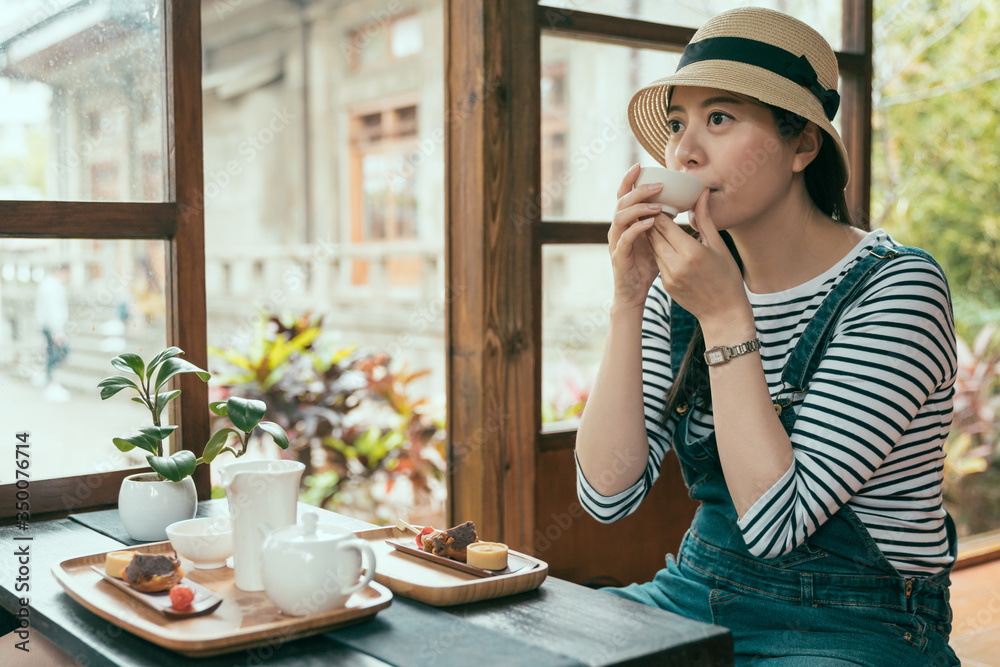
[313, 568]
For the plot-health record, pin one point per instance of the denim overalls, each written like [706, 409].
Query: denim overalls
[835, 599]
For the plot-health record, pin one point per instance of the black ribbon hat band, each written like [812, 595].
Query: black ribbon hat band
[796, 69]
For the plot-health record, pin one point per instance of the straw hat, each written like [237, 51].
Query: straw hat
[756, 52]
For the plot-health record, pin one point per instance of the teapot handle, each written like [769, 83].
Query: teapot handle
[367, 560]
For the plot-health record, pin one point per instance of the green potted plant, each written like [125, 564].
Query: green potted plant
[149, 502]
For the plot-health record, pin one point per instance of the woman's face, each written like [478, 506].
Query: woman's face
[730, 142]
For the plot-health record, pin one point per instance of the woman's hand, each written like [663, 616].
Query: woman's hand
[700, 274]
[632, 257]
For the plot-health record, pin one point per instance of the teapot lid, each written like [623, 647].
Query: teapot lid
[309, 531]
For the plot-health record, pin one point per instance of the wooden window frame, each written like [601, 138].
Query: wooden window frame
[495, 234]
[179, 221]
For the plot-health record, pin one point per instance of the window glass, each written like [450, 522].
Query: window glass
[407, 38]
[934, 165]
[587, 144]
[69, 306]
[388, 35]
[81, 100]
[325, 226]
[824, 16]
[577, 287]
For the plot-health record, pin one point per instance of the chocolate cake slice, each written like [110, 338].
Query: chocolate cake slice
[453, 542]
[151, 573]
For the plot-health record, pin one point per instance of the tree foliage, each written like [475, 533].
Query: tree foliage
[936, 142]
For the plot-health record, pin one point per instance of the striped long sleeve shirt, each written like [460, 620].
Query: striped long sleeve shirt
[870, 428]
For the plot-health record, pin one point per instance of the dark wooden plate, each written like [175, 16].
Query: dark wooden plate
[205, 601]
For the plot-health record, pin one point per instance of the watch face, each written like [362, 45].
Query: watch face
[715, 356]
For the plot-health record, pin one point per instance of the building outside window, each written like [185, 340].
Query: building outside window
[384, 169]
[382, 40]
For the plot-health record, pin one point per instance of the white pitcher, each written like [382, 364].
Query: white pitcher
[258, 492]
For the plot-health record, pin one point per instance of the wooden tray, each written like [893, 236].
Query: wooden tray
[514, 563]
[438, 584]
[243, 620]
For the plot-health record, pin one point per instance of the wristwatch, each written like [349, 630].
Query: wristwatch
[722, 354]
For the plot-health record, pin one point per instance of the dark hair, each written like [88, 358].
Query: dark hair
[822, 178]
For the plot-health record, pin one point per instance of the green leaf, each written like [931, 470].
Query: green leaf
[218, 492]
[168, 353]
[319, 487]
[129, 362]
[172, 367]
[112, 385]
[245, 413]
[366, 441]
[218, 407]
[140, 400]
[278, 433]
[158, 433]
[164, 398]
[393, 440]
[175, 467]
[142, 441]
[281, 353]
[231, 357]
[123, 445]
[217, 442]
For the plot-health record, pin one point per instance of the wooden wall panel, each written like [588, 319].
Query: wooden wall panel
[579, 548]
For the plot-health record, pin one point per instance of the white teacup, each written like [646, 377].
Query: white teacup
[313, 568]
[206, 541]
[680, 189]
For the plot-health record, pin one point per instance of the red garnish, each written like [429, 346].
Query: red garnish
[181, 597]
[427, 530]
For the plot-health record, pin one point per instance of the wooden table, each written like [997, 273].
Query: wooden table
[561, 623]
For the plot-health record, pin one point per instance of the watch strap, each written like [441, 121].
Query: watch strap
[723, 353]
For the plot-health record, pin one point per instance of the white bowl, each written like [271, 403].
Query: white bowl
[207, 542]
[680, 189]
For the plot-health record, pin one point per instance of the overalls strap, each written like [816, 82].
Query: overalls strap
[806, 356]
[699, 459]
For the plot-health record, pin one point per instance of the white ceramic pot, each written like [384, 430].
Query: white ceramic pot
[148, 506]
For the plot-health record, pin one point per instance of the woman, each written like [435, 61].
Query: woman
[811, 430]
